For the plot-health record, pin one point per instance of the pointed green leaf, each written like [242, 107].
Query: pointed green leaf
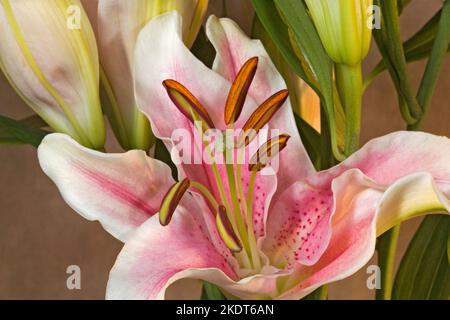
[279, 33]
[417, 47]
[310, 138]
[35, 121]
[212, 292]
[389, 42]
[437, 55]
[424, 272]
[20, 132]
[162, 154]
[203, 49]
[402, 4]
[294, 13]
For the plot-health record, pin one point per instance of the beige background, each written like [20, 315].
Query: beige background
[40, 235]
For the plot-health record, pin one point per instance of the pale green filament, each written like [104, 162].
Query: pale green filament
[237, 208]
[248, 212]
[253, 244]
[206, 193]
[241, 256]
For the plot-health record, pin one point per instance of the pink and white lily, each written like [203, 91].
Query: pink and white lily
[301, 229]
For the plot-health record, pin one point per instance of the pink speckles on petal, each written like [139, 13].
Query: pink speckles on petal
[262, 194]
[299, 225]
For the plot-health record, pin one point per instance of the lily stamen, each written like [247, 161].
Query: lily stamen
[239, 90]
[171, 200]
[187, 103]
[261, 116]
[267, 151]
[226, 231]
[234, 216]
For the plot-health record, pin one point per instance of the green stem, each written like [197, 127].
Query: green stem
[438, 53]
[387, 243]
[387, 247]
[350, 87]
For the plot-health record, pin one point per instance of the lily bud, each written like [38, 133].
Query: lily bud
[49, 55]
[343, 28]
[119, 24]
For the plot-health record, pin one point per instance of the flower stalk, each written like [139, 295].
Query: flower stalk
[349, 83]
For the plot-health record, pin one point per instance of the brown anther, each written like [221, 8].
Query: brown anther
[239, 90]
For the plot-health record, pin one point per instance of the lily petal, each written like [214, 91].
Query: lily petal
[172, 60]
[119, 190]
[233, 49]
[363, 211]
[353, 239]
[409, 197]
[399, 154]
[305, 210]
[156, 257]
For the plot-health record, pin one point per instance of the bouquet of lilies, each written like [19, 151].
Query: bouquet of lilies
[243, 175]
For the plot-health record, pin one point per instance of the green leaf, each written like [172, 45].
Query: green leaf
[291, 78]
[448, 248]
[35, 121]
[211, 292]
[203, 49]
[425, 36]
[311, 139]
[20, 132]
[386, 248]
[318, 294]
[437, 55]
[162, 154]
[279, 33]
[419, 46]
[402, 4]
[424, 272]
[307, 40]
[389, 42]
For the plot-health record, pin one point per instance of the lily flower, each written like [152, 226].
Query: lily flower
[49, 55]
[255, 235]
[118, 26]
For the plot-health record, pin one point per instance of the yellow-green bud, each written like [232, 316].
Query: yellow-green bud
[344, 26]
